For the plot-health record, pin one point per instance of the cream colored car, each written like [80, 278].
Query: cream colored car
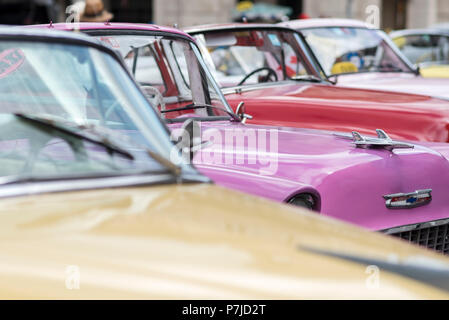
[199, 241]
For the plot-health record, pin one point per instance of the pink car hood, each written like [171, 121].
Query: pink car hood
[350, 181]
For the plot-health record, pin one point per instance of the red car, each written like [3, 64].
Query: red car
[272, 71]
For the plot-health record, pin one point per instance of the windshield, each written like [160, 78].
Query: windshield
[253, 56]
[353, 50]
[69, 92]
[424, 48]
[170, 75]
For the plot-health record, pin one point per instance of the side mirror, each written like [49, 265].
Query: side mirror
[190, 140]
[418, 70]
[240, 111]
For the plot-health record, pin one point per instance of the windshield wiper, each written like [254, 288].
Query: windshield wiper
[52, 124]
[193, 106]
[388, 68]
[309, 77]
[99, 139]
[173, 168]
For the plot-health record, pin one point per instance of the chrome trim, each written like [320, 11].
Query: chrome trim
[210, 77]
[258, 86]
[194, 30]
[33, 188]
[397, 51]
[382, 141]
[407, 205]
[419, 268]
[416, 226]
[240, 111]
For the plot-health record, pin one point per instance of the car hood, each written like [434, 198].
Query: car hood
[435, 71]
[399, 82]
[350, 181]
[198, 241]
[406, 116]
[342, 95]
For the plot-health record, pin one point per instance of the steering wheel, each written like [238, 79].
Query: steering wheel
[271, 72]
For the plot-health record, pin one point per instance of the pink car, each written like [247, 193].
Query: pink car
[356, 54]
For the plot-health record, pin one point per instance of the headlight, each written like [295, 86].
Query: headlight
[304, 200]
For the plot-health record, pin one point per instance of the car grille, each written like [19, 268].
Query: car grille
[433, 235]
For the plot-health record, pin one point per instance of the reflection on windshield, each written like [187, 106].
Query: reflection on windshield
[32, 150]
[424, 48]
[82, 88]
[254, 56]
[171, 77]
[352, 50]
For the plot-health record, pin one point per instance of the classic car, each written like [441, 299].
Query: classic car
[272, 71]
[93, 208]
[356, 54]
[336, 174]
[426, 48]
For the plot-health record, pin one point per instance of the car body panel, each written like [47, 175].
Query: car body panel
[435, 71]
[365, 174]
[326, 107]
[190, 242]
[404, 83]
[116, 26]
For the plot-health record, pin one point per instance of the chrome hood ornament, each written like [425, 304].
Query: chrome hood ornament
[383, 141]
[408, 200]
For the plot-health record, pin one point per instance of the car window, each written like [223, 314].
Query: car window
[184, 80]
[424, 48]
[353, 50]
[82, 90]
[147, 72]
[252, 56]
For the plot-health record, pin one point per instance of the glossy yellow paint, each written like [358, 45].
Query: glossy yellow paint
[435, 71]
[188, 241]
[400, 42]
[344, 67]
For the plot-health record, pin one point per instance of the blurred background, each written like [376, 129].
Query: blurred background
[394, 14]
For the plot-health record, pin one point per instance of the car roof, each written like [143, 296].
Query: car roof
[410, 32]
[230, 26]
[39, 34]
[22, 32]
[84, 26]
[325, 22]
